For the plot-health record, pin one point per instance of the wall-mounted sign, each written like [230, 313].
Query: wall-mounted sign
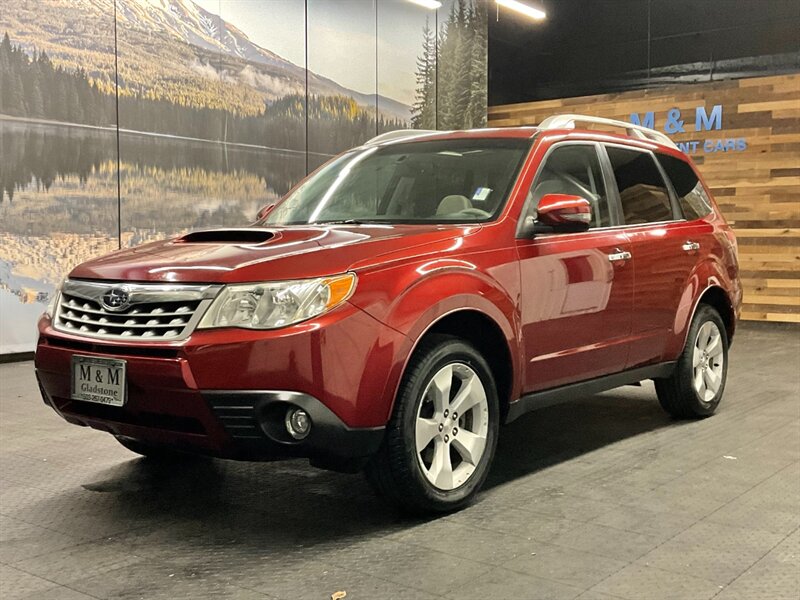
[676, 123]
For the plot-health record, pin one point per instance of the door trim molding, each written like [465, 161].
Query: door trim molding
[573, 391]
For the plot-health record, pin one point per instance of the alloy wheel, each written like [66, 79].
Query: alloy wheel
[708, 361]
[452, 426]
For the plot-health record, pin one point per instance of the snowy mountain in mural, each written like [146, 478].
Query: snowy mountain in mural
[170, 50]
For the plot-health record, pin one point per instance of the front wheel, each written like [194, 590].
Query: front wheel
[442, 436]
[696, 385]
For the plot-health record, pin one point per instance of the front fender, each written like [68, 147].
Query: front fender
[415, 300]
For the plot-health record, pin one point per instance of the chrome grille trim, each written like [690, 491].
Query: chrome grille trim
[153, 312]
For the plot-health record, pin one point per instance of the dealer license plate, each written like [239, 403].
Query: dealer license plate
[100, 380]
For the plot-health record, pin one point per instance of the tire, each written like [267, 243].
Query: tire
[690, 392]
[418, 481]
[155, 453]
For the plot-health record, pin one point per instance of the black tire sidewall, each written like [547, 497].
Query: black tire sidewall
[428, 364]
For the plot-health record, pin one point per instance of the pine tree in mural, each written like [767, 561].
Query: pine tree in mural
[478, 67]
[423, 112]
[446, 70]
[465, 35]
[455, 86]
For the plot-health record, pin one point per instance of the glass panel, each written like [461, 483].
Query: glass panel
[171, 118]
[462, 64]
[269, 35]
[406, 65]
[449, 181]
[693, 199]
[575, 170]
[642, 192]
[58, 174]
[214, 118]
[341, 79]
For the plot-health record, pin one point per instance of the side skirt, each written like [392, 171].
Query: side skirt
[565, 393]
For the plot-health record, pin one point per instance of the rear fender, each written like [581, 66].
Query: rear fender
[708, 275]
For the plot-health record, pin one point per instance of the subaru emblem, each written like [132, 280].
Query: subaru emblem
[116, 299]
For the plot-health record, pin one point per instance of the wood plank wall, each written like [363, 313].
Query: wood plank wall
[757, 189]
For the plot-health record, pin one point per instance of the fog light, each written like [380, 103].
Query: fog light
[298, 423]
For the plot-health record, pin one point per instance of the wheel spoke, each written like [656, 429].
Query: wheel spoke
[470, 394]
[440, 388]
[714, 347]
[469, 445]
[426, 431]
[703, 335]
[698, 381]
[441, 471]
[712, 380]
[697, 357]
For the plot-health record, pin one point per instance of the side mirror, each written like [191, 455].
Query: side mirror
[563, 213]
[264, 211]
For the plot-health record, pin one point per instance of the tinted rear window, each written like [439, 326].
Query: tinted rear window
[692, 196]
[642, 191]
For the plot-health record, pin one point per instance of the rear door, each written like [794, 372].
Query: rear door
[577, 288]
[665, 249]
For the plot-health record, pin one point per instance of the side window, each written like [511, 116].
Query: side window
[574, 169]
[694, 201]
[642, 191]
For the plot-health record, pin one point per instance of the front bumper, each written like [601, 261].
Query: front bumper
[249, 416]
[225, 392]
[236, 424]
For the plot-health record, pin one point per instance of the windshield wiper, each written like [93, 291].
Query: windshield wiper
[349, 222]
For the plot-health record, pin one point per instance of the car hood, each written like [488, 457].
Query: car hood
[261, 254]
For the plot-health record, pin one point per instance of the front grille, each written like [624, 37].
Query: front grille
[134, 312]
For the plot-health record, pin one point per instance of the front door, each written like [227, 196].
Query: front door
[577, 288]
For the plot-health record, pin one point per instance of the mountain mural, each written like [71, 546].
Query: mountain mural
[171, 50]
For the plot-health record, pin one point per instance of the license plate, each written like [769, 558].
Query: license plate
[100, 380]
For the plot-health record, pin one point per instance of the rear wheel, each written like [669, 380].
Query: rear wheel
[696, 385]
[442, 436]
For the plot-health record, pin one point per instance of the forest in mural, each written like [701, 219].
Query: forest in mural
[451, 71]
[194, 116]
[33, 87]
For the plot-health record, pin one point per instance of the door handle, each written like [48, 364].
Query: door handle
[618, 255]
[690, 246]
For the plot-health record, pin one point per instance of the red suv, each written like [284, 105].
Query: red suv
[403, 301]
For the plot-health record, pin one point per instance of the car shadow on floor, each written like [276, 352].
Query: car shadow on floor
[567, 431]
[273, 507]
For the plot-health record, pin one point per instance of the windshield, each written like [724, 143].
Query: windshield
[443, 181]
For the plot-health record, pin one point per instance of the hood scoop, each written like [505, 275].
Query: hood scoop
[228, 236]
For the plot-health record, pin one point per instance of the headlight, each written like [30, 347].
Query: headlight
[270, 305]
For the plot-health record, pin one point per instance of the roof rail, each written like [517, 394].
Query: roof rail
[637, 131]
[400, 134]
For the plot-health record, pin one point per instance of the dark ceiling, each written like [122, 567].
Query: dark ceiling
[595, 46]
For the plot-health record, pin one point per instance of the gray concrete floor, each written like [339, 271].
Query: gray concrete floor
[603, 498]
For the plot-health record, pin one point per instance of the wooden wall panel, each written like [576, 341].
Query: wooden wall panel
[757, 189]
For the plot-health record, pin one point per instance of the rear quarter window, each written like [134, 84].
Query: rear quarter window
[692, 196]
